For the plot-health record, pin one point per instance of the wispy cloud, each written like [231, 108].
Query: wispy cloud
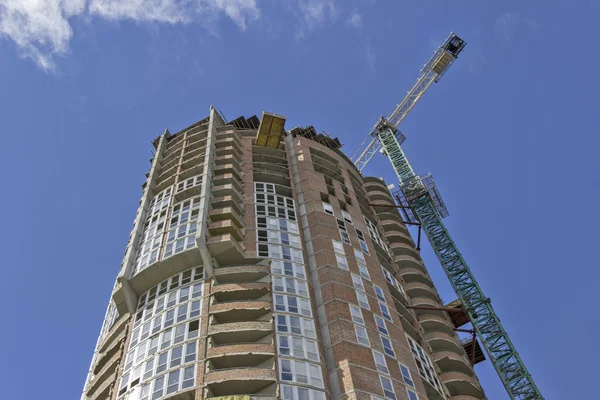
[508, 24]
[42, 28]
[355, 19]
[313, 14]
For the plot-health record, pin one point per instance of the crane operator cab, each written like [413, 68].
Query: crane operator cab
[454, 45]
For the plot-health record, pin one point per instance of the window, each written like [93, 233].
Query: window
[328, 208]
[300, 393]
[290, 285]
[341, 262]
[288, 268]
[341, 224]
[381, 327]
[356, 315]
[362, 300]
[358, 283]
[300, 372]
[380, 362]
[292, 304]
[375, 235]
[391, 279]
[379, 293]
[385, 311]
[412, 395]
[298, 347]
[424, 364]
[361, 240]
[364, 272]
[296, 325]
[347, 217]
[387, 346]
[361, 336]
[406, 375]
[345, 237]
[338, 247]
[388, 388]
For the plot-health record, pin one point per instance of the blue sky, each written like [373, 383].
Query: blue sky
[509, 134]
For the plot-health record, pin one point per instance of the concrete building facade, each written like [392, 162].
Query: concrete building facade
[265, 273]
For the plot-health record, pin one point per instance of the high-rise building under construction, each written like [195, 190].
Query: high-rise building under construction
[266, 272]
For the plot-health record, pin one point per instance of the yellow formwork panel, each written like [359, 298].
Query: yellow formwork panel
[270, 130]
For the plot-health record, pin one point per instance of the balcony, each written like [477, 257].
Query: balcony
[418, 289]
[225, 249]
[240, 291]
[435, 321]
[408, 261]
[224, 190]
[226, 179]
[237, 381]
[224, 150]
[157, 272]
[461, 384]
[227, 159]
[240, 355]
[226, 227]
[440, 341]
[240, 332]
[238, 311]
[233, 201]
[226, 213]
[229, 169]
[240, 274]
[414, 275]
[448, 361]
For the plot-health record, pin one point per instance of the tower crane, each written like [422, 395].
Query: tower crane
[420, 196]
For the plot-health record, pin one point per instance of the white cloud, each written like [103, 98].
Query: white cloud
[355, 19]
[313, 14]
[42, 29]
[508, 24]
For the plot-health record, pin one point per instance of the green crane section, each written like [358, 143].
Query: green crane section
[425, 201]
[422, 198]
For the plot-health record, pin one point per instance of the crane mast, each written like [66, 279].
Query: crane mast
[428, 208]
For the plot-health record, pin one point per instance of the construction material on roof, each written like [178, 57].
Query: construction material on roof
[323, 138]
[245, 123]
[270, 130]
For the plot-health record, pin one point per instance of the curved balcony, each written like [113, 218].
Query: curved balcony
[401, 245]
[237, 311]
[408, 261]
[240, 291]
[224, 227]
[410, 275]
[378, 197]
[105, 373]
[227, 178]
[226, 249]
[452, 362]
[233, 201]
[233, 149]
[237, 332]
[239, 380]
[163, 269]
[461, 384]
[436, 323]
[419, 289]
[464, 397]
[223, 141]
[440, 341]
[227, 159]
[246, 273]
[423, 301]
[240, 355]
